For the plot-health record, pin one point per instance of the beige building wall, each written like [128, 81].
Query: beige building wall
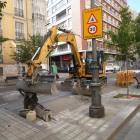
[8, 26]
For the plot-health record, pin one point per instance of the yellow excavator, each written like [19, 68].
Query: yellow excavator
[80, 73]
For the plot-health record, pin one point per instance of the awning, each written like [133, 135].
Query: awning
[66, 58]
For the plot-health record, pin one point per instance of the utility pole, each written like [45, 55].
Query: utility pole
[96, 110]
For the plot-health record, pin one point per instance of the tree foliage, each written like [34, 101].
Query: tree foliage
[137, 34]
[106, 56]
[124, 38]
[27, 49]
[2, 5]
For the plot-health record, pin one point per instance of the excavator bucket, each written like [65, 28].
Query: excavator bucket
[43, 84]
[71, 85]
[85, 87]
[66, 85]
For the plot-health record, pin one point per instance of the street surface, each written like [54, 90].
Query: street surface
[13, 100]
[68, 106]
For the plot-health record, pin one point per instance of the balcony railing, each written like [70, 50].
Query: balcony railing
[19, 35]
[19, 12]
[58, 18]
[38, 16]
[0, 32]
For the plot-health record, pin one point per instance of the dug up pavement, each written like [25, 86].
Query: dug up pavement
[121, 120]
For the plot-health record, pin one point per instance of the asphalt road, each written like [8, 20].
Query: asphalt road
[13, 100]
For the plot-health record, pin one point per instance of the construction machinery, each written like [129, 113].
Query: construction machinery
[80, 73]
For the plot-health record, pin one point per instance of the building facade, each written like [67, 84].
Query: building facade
[21, 18]
[39, 17]
[68, 14]
[134, 14]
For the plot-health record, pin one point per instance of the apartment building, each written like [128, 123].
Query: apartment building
[68, 14]
[134, 14]
[39, 17]
[111, 18]
[21, 18]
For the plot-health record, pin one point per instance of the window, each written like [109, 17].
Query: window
[19, 8]
[88, 44]
[19, 4]
[49, 12]
[104, 4]
[69, 11]
[53, 9]
[1, 71]
[87, 6]
[54, 19]
[19, 30]
[104, 14]
[70, 22]
[101, 46]
[48, 3]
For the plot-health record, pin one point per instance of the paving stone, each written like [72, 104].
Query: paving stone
[21, 135]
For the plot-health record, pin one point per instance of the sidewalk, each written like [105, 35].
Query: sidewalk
[76, 124]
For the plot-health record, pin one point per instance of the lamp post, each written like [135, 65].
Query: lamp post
[96, 110]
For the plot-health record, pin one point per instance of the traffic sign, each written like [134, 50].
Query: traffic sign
[92, 22]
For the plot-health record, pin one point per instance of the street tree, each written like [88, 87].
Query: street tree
[137, 34]
[25, 51]
[2, 5]
[123, 38]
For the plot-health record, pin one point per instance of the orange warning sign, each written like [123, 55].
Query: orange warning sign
[92, 22]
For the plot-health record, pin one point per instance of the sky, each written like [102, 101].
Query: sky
[134, 5]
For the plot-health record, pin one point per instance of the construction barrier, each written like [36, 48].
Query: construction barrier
[121, 78]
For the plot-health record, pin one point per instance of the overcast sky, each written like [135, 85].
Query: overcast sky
[134, 5]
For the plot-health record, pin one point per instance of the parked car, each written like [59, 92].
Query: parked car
[113, 67]
[44, 72]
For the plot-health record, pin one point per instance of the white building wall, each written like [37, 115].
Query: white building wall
[38, 16]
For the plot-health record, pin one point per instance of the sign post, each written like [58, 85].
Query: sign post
[93, 29]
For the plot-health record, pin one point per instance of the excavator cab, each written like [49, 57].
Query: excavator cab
[100, 62]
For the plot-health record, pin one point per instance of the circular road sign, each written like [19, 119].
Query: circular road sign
[92, 29]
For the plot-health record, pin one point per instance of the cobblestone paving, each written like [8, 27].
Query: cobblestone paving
[131, 131]
[13, 128]
[77, 125]
[72, 125]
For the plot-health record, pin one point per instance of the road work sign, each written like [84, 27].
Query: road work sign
[92, 22]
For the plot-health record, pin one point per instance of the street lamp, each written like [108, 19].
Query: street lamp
[96, 110]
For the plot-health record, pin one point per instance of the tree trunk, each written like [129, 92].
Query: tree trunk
[127, 76]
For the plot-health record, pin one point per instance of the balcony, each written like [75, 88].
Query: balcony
[61, 15]
[19, 35]
[109, 21]
[19, 12]
[105, 29]
[120, 3]
[108, 10]
[0, 32]
[38, 16]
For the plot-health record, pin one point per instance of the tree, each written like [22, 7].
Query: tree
[106, 56]
[137, 34]
[2, 5]
[124, 38]
[27, 49]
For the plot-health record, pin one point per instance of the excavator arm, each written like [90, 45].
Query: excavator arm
[47, 46]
